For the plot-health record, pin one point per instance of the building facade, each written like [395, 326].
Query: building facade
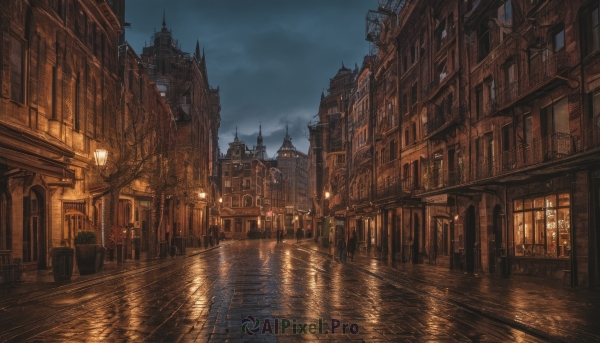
[484, 138]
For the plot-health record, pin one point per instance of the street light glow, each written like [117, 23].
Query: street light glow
[202, 195]
[326, 195]
[101, 156]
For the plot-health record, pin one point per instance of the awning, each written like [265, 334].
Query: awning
[38, 165]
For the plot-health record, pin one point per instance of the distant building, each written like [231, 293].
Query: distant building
[261, 193]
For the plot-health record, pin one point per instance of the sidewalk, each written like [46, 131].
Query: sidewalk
[537, 305]
[40, 280]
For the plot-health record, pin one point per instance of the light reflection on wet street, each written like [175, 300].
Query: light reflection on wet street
[206, 297]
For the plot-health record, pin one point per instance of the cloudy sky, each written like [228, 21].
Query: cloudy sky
[270, 58]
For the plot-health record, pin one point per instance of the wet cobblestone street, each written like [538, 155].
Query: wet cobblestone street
[205, 298]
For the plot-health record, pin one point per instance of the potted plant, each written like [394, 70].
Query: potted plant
[90, 256]
[62, 262]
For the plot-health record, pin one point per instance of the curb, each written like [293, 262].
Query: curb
[482, 312]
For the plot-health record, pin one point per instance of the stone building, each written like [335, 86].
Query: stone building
[261, 193]
[182, 79]
[293, 165]
[326, 151]
[243, 190]
[493, 166]
[57, 100]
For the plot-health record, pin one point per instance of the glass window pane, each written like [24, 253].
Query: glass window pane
[518, 205]
[539, 227]
[528, 222]
[551, 233]
[561, 116]
[518, 227]
[528, 204]
[564, 232]
[559, 40]
[564, 199]
[551, 200]
[538, 202]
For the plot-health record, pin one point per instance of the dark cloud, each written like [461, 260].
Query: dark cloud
[270, 58]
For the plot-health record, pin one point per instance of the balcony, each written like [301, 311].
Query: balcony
[440, 178]
[541, 78]
[551, 148]
[392, 190]
[441, 122]
[408, 184]
[592, 134]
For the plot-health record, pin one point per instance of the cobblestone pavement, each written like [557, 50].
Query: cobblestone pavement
[207, 296]
[533, 304]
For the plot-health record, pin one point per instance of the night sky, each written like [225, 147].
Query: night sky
[270, 58]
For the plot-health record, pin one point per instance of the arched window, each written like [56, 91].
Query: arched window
[247, 201]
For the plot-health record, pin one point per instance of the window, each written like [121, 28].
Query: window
[483, 41]
[392, 150]
[406, 141]
[542, 226]
[17, 81]
[559, 39]
[54, 94]
[478, 102]
[491, 88]
[235, 201]
[506, 138]
[555, 118]
[415, 173]
[238, 225]
[591, 30]
[77, 105]
[527, 129]
[227, 225]
[227, 183]
[413, 54]
[406, 171]
[405, 103]
[594, 110]
[383, 161]
[247, 201]
[413, 96]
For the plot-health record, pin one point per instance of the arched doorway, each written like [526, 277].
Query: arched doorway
[496, 243]
[415, 246]
[470, 240]
[34, 227]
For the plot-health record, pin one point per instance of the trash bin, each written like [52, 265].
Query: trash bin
[180, 243]
[172, 250]
[205, 240]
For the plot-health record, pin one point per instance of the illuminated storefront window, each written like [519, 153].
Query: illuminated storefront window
[542, 226]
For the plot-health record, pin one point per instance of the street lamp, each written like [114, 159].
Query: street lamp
[101, 156]
[202, 195]
[326, 195]
[220, 200]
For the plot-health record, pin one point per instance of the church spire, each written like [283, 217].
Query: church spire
[197, 52]
[236, 139]
[164, 19]
[259, 139]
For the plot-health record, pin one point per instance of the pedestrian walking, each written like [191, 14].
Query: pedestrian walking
[352, 245]
[278, 236]
[298, 235]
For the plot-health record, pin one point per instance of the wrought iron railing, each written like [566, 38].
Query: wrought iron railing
[438, 121]
[550, 148]
[393, 189]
